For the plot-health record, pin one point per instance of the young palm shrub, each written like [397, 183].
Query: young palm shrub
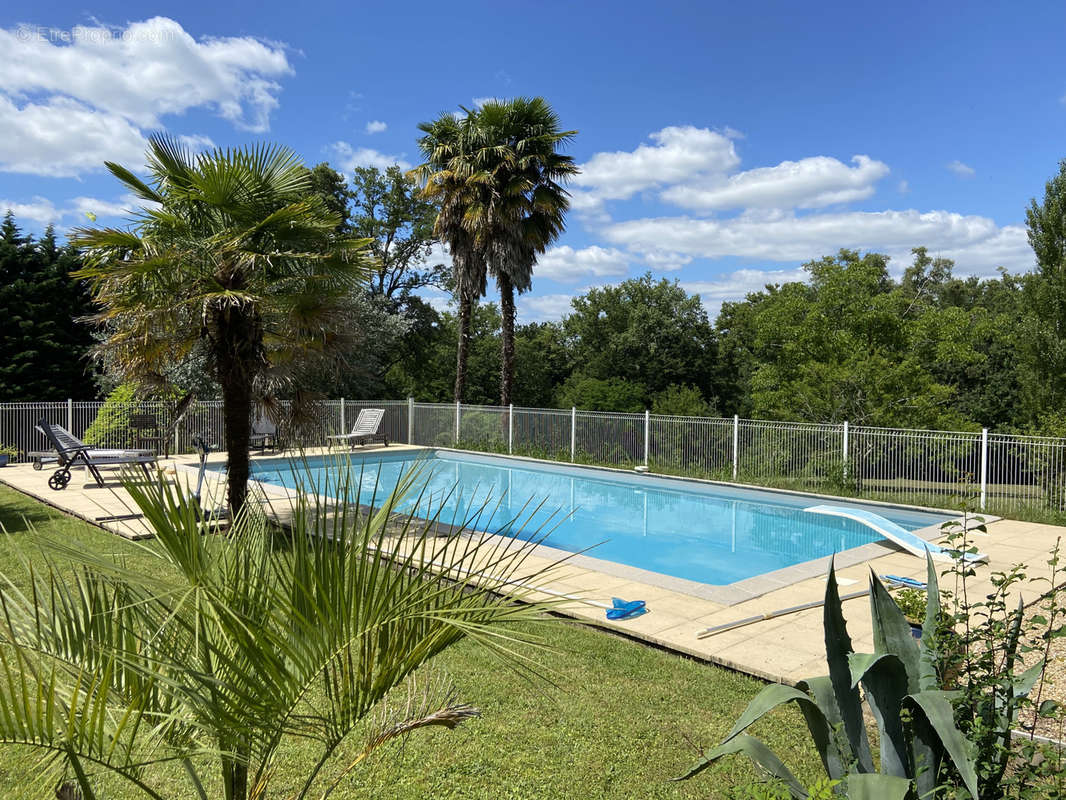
[915, 720]
[236, 643]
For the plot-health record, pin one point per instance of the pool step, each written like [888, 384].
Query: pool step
[915, 545]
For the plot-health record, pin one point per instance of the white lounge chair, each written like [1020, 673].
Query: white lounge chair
[70, 450]
[365, 429]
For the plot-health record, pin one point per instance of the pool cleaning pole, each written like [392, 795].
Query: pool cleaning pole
[740, 623]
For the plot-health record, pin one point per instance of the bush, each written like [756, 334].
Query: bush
[681, 400]
[111, 428]
[597, 394]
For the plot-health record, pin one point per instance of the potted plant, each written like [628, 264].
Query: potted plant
[912, 603]
[7, 452]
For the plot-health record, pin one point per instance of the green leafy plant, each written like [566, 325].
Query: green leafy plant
[233, 644]
[111, 427]
[915, 722]
[998, 666]
[8, 450]
[912, 603]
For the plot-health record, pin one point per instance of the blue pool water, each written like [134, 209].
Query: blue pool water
[707, 533]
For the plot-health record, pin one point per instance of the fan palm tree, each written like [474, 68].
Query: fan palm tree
[523, 203]
[227, 647]
[499, 178]
[449, 178]
[233, 250]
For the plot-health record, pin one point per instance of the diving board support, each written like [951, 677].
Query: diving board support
[897, 534]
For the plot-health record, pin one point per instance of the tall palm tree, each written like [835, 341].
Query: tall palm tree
[449, 177]
[518, 141]
[236, 251]
[504, 175]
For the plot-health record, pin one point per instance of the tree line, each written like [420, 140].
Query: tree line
[858, 340]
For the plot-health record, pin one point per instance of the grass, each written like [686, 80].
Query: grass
[617, 720]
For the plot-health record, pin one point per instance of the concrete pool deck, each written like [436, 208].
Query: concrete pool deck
[787, 648]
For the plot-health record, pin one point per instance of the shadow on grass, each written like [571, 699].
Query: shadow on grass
[19, 515]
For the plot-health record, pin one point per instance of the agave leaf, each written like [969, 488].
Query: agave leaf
[935, 706]
[823, 726]
[883, 678]
[759, 753]
[1025, 682]
[928, 646]
[837, 650]
[892, 632]
[877, 787]
[774, 695]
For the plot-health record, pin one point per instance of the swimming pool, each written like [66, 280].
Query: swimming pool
[708, 533]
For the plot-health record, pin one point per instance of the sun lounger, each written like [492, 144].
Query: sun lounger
[365, 429]
[71, 451]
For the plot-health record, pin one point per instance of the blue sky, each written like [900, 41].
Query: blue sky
[722, 144]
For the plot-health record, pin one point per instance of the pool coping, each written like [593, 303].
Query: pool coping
[723, 594]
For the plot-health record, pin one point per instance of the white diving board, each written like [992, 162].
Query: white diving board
[915, 545]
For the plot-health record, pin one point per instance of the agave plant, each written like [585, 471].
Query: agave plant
[900, 681]
[233, 644]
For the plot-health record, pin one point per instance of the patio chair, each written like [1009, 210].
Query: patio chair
[71, 451]
[148, 431]
[365, 429]
[264, 435]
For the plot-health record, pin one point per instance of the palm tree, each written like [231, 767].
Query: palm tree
[449, 178]
[235, 251]
[517, 146]
[500, 175]
[225, 648]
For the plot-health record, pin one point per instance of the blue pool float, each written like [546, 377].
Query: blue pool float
[626, 610]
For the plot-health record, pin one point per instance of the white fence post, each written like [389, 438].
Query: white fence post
[647, 428]
[573, 433]
[845, 450]
[344, 427]
[984, 466]
[410, 420]
[510, 429]
[736, 443]
[458, 407]
[70, 415]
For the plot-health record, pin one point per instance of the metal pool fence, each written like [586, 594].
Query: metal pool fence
[999, 473]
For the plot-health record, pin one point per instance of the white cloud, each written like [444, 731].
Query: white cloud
[197, 143]
[545, 307]
[39, 209]
[75, 211]
[679, 154]
[565, 264]
[480, 101]
[64, 138]
[960, 169]
[904, 187]
[146, 70]
[664, 259]
[977, 243]
[81, 206]
[71, 99]
[738, 285]
[808, 183]
[376, 126]
[348, 157]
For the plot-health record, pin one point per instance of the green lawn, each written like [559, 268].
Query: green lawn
[618, 720]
